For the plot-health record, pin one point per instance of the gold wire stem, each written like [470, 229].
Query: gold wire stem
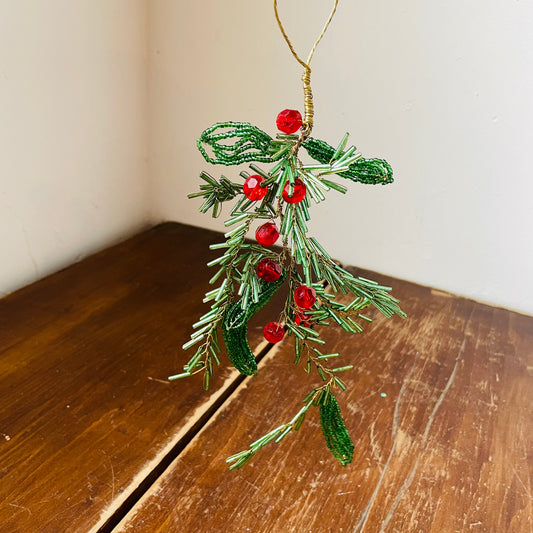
[309, 109]
[307, 124]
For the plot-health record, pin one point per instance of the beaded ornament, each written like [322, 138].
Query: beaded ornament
[250, 273]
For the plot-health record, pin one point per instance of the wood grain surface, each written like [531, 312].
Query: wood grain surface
[86, 412]
[439, 407]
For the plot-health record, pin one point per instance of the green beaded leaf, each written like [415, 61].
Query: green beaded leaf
[369, 171]
[236, 340]
[246, 143]
[334, 429]
[235, 327]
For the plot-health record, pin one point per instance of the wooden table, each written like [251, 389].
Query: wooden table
[94, 438]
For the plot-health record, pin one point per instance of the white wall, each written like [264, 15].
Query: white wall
[73, 131]
[442, 90]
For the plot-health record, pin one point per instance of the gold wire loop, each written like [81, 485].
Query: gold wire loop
[307, 124]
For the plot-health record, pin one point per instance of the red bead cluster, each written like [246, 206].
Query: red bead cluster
[289, 121]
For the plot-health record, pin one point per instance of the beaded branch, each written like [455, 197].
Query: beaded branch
[250, 273]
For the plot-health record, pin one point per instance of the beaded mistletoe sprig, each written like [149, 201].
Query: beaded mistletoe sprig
[250, 273]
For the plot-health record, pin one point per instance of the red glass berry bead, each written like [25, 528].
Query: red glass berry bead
[252, 188]
[304, 320]
[267, 234]
[299, 191]
[289, 121]
[304, 297]
[273, 332]
[268, 270]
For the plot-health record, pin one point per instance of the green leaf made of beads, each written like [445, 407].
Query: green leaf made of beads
[248, 143]
[335, 432]
[369, 171]
[235, 327]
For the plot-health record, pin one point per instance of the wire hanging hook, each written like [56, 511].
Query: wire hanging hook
[307, 124]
